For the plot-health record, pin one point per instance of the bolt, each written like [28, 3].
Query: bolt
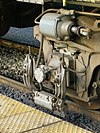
[89, 103]
[54, 100]
[94, 85]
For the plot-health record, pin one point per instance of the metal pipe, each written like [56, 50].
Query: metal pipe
[49, 10]
[87, 13]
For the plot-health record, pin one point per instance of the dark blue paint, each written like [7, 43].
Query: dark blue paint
[22, 35]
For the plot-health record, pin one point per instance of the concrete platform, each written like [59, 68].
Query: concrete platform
[16, 117]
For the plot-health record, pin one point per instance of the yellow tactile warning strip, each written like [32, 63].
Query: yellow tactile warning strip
[16, 117]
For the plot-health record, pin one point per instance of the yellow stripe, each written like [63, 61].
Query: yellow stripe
[16, 117]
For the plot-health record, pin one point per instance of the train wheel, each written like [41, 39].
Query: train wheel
[4, 26]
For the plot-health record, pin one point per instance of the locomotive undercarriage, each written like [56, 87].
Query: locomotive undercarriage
[69, 45]
[70, 52]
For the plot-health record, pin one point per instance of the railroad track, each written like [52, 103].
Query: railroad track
[14, 84]
[71, 106]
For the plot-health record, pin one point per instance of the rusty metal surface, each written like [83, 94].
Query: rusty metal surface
[16, 117]
[72, 106]
[20, 46]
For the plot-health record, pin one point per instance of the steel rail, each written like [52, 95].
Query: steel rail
[14, 84]
[72, 106]
[18, 45]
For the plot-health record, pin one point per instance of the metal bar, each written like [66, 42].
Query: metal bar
[87, 13]
[72, 106]
[14, 84]
[16, 45]
[84, 3]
